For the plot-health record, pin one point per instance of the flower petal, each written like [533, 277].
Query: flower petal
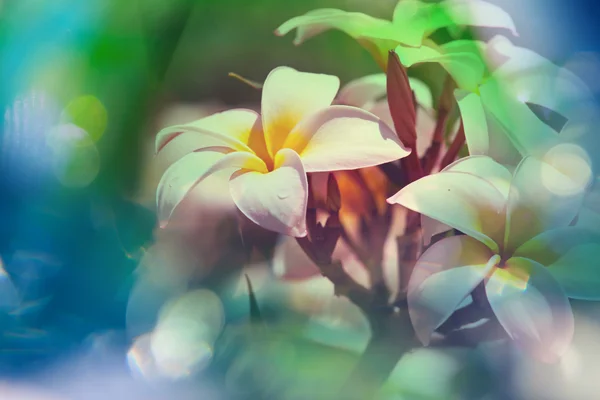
[474, 121]
[469, 13]
[368, 90]
[425, 129]
[541, 197]
[578, 272]
[461, 200]
[526, 131]
[422, 93]
[484, 133]
[486, 168]
[181, 177]
[288, 97]
[443, 277]
[238, 129]
[343, 137]
[364, 91]
[537, 80]
[425, 123]
[275, 200]
[532, 307]
[482, 166]
[431, 227]
[571, 256]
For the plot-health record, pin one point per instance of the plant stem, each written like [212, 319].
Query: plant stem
[457, 143]
[392, 337]
[433, 152]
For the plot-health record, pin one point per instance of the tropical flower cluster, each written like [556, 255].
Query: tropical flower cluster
[488, 182]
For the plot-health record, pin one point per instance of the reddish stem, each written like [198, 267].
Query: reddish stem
[433, 152]
[454, 149]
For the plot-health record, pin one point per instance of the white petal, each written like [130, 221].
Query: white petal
[232, 128]
[363, 91]
[471, 13]
[343, 137]
[185, 174]
[578, 272]
[526, 131]
[486, 168]
[461, 200]
[474, 121]
[442, 278]
[422, 93]
[275, 200]
[532, 307]
[571, 256]
[537, 80]
[431, 227]
[425, 129]
[485, 134]
[381, 110]
[539, 201]
[289, 96]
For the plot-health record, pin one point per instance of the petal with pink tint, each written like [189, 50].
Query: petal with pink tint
[431, 227]
[181, 177]
[288, 96]
[543, 196]
[235, 129]
[425, 129]
[352, 264]
[486, 168]
[343, 137]
[570, 255]
[461, 200]
[274, 200]
[363, 91]
[532, 308]
[382, 110]
[422, 93]
[443, 277]
[482, 166]
[391, 253]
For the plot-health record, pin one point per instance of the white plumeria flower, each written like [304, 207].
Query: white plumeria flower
[269, 155]
[517, 241]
